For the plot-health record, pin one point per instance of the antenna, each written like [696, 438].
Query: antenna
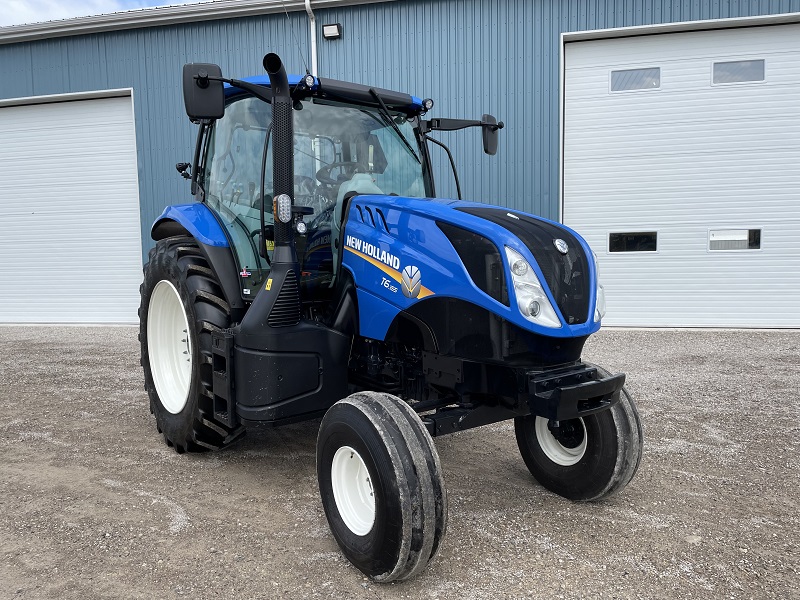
[296, 42]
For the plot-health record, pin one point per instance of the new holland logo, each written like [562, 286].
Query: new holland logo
[412, 281]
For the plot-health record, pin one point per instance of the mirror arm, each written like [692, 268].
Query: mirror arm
[457, 124]
[258, 91]
[452, 162]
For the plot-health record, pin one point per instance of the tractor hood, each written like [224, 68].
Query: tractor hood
[463, 250]
[558, 252]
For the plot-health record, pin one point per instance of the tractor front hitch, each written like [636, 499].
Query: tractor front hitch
[570, 393]
[492, 392]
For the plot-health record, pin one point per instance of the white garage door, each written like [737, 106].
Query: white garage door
[70, 241]
[681, 168]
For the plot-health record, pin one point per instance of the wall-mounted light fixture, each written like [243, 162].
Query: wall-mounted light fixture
[332, 31]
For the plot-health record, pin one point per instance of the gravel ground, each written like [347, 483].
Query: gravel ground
[94, 505]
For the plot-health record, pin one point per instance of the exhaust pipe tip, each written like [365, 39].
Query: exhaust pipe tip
[278, 80]
[272, 63]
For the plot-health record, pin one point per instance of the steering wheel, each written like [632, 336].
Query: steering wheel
[347, 168]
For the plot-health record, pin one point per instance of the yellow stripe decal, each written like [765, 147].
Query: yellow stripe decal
[423, 292]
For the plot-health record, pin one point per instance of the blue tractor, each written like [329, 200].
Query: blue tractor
[317, 275]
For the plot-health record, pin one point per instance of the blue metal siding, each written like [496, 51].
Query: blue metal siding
[470, 56]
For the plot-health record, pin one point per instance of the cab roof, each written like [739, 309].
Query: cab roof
[341, 90]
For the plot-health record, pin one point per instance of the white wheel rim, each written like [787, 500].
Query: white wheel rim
[352, 490]
[554, 450]
[169, 346]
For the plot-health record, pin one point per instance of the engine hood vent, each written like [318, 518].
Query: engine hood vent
[565, 273]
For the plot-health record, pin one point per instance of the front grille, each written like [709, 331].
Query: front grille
[286, 310]
[567, 275]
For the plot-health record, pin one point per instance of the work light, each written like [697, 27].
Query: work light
[283, 208]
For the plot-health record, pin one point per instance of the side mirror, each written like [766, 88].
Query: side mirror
[489, 128]
[203, 96]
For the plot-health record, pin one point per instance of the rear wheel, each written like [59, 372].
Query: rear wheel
[181, 304]
[587, 458]
[381, 485]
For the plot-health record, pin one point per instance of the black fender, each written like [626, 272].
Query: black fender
[343, 315]
[409, 330]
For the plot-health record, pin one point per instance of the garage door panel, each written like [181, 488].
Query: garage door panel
[721, 44]
[745, 135]
[685, 105]
[69, 220]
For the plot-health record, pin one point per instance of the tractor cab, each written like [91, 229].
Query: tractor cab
[341, 148]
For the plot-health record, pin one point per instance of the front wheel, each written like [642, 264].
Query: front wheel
[587, 458]
[381, 485]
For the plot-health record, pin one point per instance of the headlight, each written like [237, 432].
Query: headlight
[531, 298]
[600, 294]
[600, 309]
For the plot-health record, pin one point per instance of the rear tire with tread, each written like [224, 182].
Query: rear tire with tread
[180, 262]
[396, 530]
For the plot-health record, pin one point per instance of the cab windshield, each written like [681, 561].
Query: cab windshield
[338, 148]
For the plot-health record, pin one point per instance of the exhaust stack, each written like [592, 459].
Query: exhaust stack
[282, 152]
[277, 305]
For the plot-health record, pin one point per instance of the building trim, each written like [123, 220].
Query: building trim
[642, 30]
[162, 16]
[682, 26]
[128, 92]
[71, 97]
[312, 32]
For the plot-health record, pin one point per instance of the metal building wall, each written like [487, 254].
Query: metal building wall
[150, 61]
[471, 56]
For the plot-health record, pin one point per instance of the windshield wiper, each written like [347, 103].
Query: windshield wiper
[388, 117]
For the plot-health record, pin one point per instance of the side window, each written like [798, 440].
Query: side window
[233, 162]
[398, 174]
[232, 182]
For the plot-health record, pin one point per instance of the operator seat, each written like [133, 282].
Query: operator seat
[360, 183]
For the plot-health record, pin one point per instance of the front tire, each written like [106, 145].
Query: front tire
[381, 485]
[181, 304]
[584, 459]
